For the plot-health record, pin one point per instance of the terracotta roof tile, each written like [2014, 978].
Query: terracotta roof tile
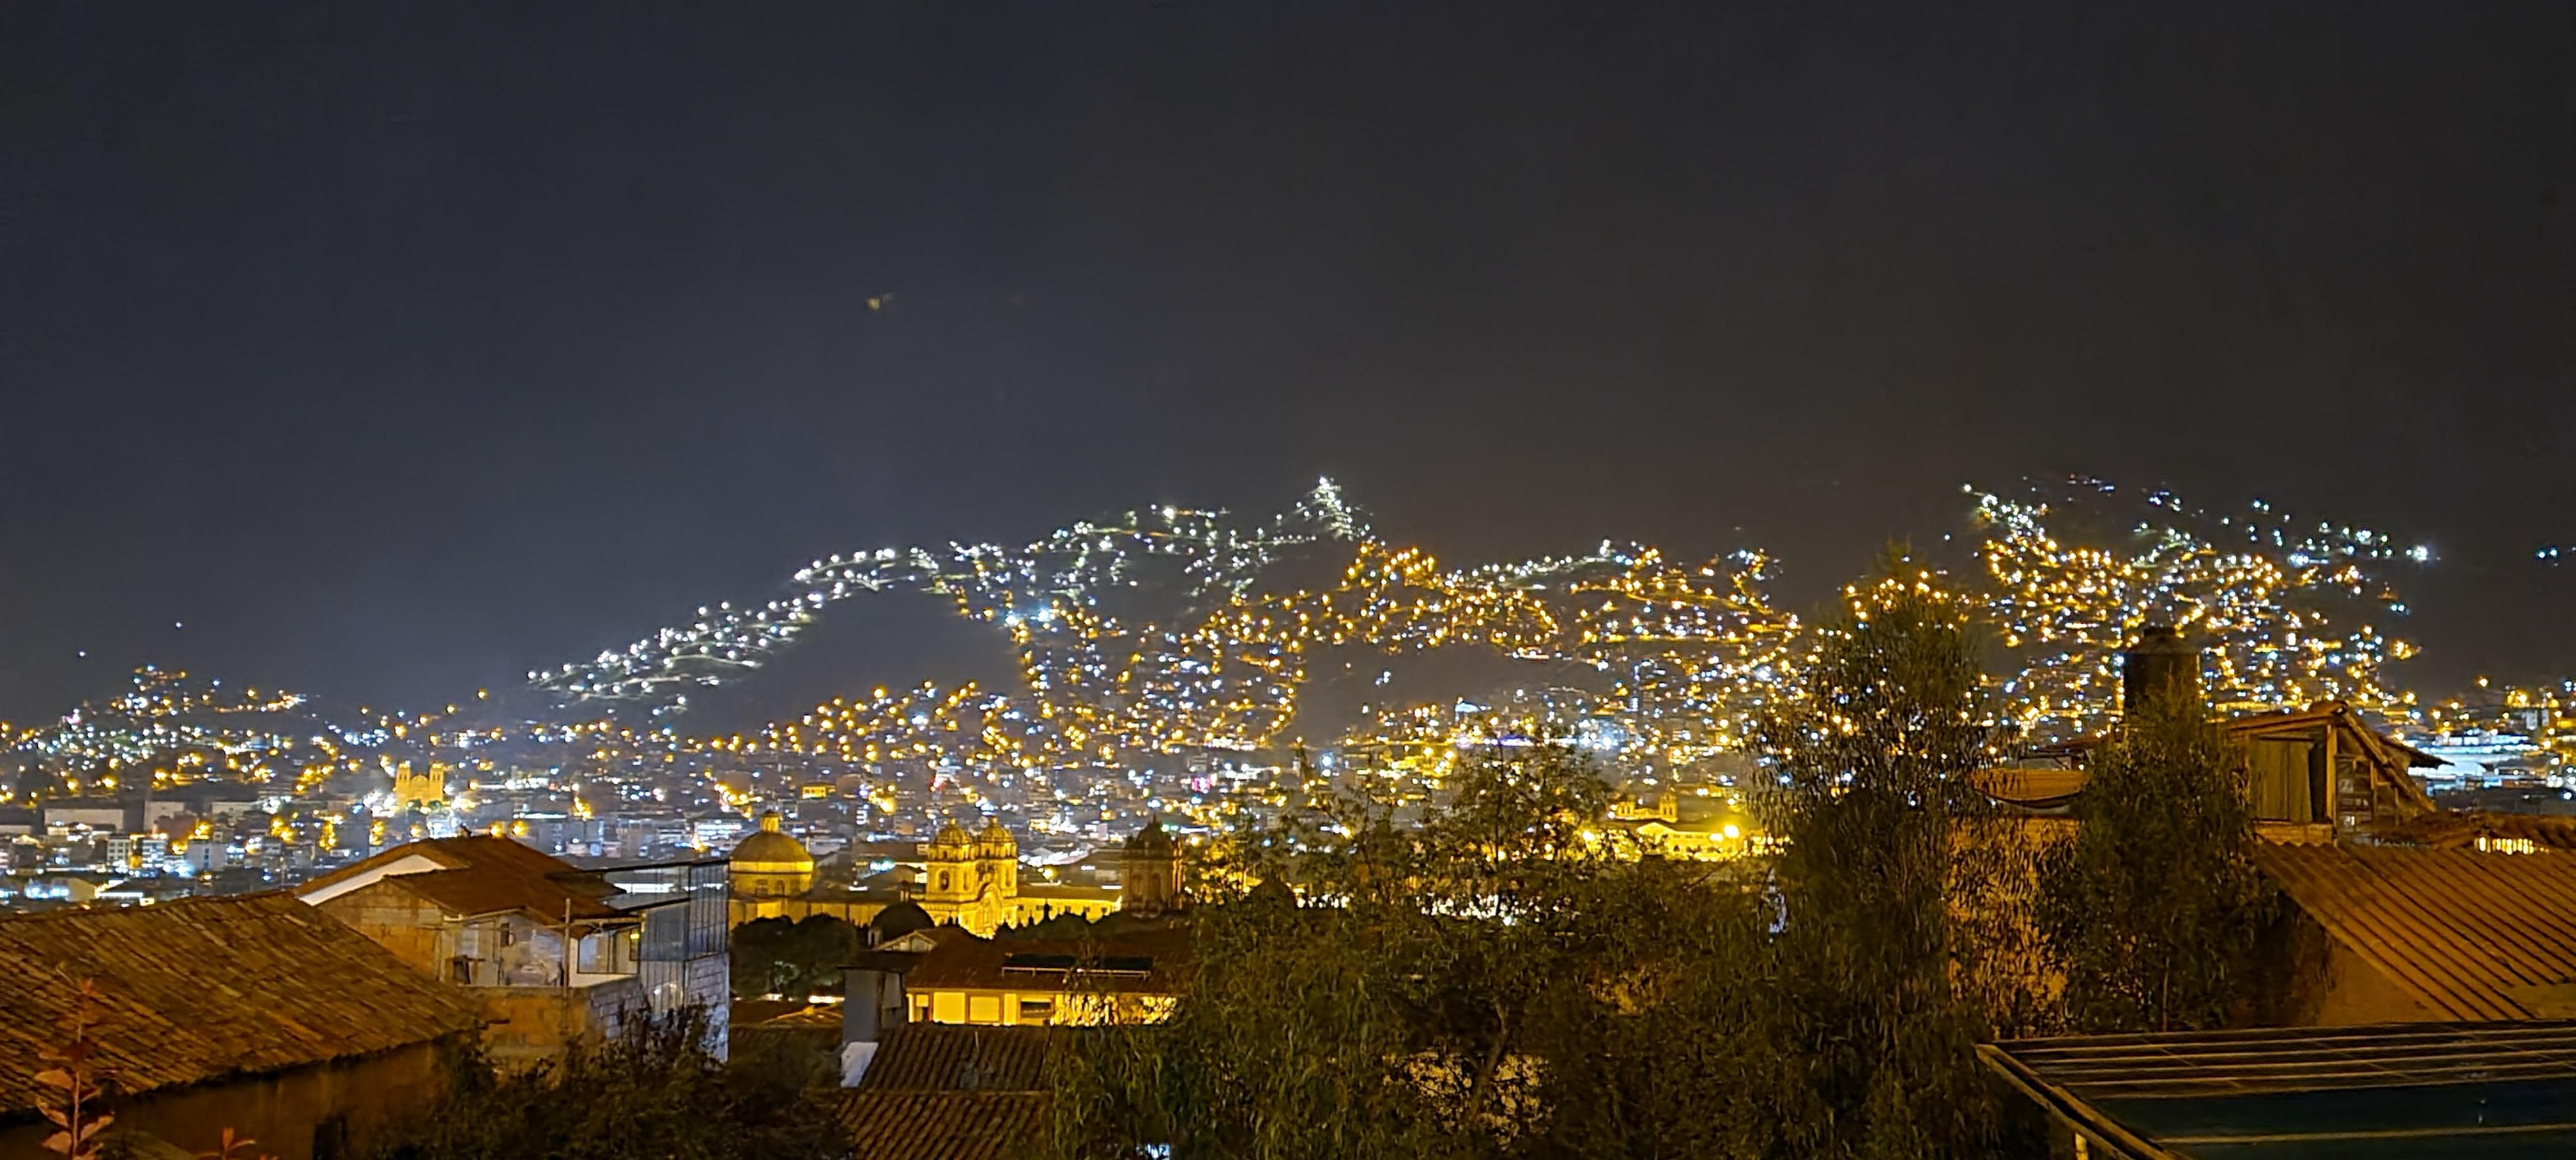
[2474, 935]
[481, 850]
[201, 988]
[931, 1057]
[491, 889]
[944, 1125]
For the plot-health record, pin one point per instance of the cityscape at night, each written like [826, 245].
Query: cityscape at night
[1167, 670]
[1213, 579]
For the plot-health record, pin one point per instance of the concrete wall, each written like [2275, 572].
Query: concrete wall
[349, 1102]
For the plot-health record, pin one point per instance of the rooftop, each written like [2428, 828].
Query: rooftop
[948, 1057]
[202, 988]
[907, 1125]
[2390, 1090]
[480, 874]
[2474, 935]
[1141, 962]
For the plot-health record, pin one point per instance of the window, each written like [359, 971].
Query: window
[1037, 1010]
[984, 1009]
[2283, 776]
[943, 880]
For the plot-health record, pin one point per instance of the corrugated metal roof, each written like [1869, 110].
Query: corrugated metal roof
[2469, 933]
[2409, 1089]
[888, 1125]
[202, 988]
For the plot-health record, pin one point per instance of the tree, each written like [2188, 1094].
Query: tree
[1485, 983]
[792, 958]
[1892, 861]
[652, 1091]
[2154, 909]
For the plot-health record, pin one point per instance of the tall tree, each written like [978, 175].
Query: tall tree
[1485, 983]
[2153, 908]
[1890, 855]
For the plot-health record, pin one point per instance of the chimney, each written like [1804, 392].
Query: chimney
[873, 1004]
[2158, 665]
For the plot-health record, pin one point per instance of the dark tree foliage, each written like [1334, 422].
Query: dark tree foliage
[654, 1091]
[1483, 984]
[2153, 908]
[793, 958]
[1487, 983]
[1889, 881]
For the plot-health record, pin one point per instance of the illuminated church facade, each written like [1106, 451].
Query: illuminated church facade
[969, 879]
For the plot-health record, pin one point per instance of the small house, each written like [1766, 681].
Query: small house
[253, 1013]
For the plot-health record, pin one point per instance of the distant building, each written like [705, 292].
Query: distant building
[1152, 878]
[1118, 977]
[253, 1013]
[970, 880]
[558, 954]
[108, 814]
[770, 864]
[424, 790]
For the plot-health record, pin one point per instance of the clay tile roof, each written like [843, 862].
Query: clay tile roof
[482, 874]
[492, 889]
[201, 988]
[2474, 935]
[481, 850]
[943, 1125]
[928, 1057]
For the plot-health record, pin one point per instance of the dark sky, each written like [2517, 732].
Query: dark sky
[399, 348]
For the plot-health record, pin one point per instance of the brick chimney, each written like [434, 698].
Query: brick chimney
[2158, 664]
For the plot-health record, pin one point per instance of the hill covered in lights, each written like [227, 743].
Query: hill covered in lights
[1171, 629]
[1127, 642]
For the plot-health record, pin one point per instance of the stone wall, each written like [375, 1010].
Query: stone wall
[414, 929]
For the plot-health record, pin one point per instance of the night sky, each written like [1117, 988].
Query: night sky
[396, 349]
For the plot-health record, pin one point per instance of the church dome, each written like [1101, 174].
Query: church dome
[1153, 839]
[952, 841]
[996, 842]
[900, 919]
[771, 863]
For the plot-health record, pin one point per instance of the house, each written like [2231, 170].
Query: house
[1125, 977]
[2388, 1090]
[2312, 775]
[559, 955]
[254, 1013]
